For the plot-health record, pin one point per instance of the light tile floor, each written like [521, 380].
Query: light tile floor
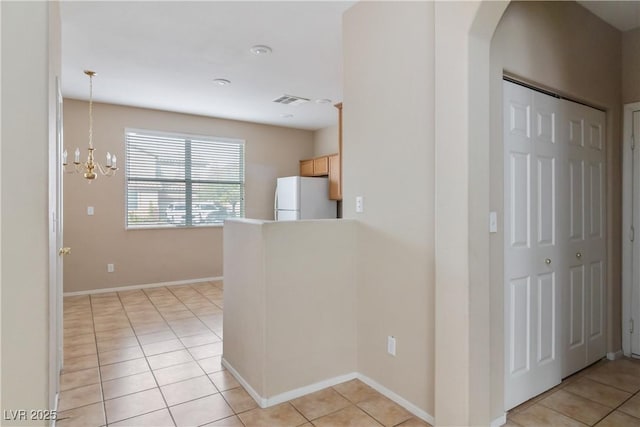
[606, 394]
[153, 358]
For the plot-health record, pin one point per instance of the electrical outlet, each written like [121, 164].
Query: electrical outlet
[89, 210]
[391, 345]
[359, 204]
[110, 268]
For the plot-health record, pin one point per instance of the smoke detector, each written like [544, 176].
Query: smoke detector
[260, 49]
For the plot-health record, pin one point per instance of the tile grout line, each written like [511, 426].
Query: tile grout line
[155, 380]
[99, 375]
[95, 335]
[220, 392]
[583, 374]
[608, 413]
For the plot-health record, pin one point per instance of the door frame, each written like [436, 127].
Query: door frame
[629, 270]
[55, 243]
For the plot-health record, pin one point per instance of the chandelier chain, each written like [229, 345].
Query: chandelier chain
[90, 111]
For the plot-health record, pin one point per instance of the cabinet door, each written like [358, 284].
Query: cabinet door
[335, 190]
[306, 167]
[321, 166]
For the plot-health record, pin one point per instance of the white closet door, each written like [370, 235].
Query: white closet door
[532, 256]
[595, 253]
[584, 294]
[575, 292]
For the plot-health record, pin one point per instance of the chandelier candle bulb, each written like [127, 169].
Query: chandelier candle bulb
[64, 157]
[113, 162]
[76, 159]
[108, 159]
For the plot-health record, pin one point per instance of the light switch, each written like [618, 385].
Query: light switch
[90, 210]
[493, 222]
[359, 204]
[391, 345]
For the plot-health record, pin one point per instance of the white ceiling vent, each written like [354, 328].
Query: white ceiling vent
[290, 100]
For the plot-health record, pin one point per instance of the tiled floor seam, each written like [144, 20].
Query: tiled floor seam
[539, 400]
[586, 398]
[139, 415]
[613, 386]
[150, 370]
[93, 322]
[207, 298]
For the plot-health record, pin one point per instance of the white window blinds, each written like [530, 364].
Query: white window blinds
[178, 180]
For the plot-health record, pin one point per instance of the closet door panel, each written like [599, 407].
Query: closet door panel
[531, 244]
[575, 289]
[595, 253]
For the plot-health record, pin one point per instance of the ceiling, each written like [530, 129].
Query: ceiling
[624, 15]
[165, 55]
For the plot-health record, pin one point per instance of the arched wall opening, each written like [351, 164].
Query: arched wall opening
[490, 39]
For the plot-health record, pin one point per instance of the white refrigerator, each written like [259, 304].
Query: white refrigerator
[299, 197]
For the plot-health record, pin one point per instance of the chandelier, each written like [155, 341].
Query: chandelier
[89, 167]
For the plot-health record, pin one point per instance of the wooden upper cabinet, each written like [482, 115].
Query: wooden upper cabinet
[335, 190]
[321, 166]
[318, 166]
[306, 167]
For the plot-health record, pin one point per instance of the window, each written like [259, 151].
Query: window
[182, 180]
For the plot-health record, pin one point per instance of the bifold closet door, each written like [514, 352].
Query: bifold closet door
[555, 249]
[584, 296]
[533, 260]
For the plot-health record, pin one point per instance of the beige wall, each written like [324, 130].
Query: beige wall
[630, 66]
[24, 226]
[462, 307]
[290, 302]
[311, 305]
[161, 255]
[563, 47]
[388, 150]
[325, 141]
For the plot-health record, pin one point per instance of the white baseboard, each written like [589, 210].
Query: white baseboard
[615, 355]
[265, 402]
[311, 388]
[500, 421]
[424, 415]
[302, 391]
[145, 286]
[261, 401]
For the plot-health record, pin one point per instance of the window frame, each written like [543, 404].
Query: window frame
[188, 192]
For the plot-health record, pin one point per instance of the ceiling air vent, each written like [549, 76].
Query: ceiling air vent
[290, 100]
